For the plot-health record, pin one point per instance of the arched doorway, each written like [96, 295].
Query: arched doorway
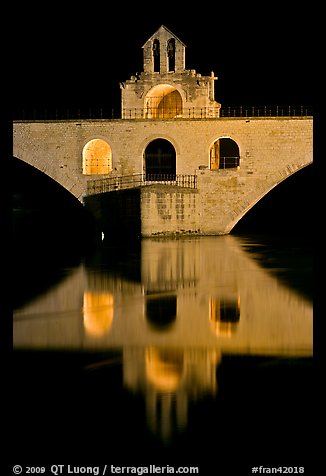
[163, 102]
[224, 154]
[160, 161]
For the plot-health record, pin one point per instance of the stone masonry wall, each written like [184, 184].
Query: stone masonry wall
[167, 210]
[271, 148]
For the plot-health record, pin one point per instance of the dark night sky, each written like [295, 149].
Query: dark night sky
[262, 54]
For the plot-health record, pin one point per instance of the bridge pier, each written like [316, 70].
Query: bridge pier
[117, 213]
[152, 210]
[211, 204]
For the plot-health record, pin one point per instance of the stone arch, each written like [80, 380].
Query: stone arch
[224, 153]
[160, 160]
[163, 101]
[144, 143]
[45, 171]
[249, 201]
[97, 157]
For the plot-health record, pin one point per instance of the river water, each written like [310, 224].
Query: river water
[187, 352]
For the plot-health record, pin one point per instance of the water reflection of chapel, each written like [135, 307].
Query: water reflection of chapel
[170, 379]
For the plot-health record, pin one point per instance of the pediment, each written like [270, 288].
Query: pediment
[161, 32]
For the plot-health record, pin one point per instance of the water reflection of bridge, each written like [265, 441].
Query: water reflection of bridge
[204, 292]
[193, 301]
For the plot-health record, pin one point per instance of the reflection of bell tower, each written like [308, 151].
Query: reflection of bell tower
[170, 378]
[165, 88]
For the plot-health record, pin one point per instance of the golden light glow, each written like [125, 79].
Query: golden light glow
[97, 157]
[214, 155]
[98, 311]
[223, 329]
[163, 101]
[164, 368]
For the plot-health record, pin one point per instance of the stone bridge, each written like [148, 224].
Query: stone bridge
[269, 149]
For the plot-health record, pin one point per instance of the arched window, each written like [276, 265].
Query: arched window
[97, 157]
[224, 154]
[156, 56]
[171, 54]
[160, 160]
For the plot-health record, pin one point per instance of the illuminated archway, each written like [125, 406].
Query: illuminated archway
[163, 102]
[224, 154]
[97, 157]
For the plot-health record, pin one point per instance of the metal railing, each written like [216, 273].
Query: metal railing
[109, 184]
[171, 113]
[229, 162]
[265, 111]
[142, 114]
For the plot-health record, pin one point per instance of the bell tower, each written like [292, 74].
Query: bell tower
[163, 52]
[166, 89]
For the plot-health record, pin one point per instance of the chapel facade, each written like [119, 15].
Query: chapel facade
[166, 89]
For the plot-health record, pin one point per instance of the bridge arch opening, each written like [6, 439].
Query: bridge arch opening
[163, 102]
[224, 153]
[97, 157]
[285, 206]
[47, 215]
[160, 160]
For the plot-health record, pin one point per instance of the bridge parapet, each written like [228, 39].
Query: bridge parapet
[169, 113]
